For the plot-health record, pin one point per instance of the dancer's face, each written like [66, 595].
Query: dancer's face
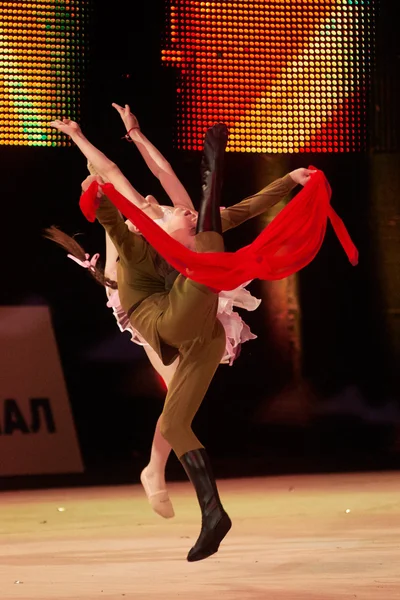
[181, 225]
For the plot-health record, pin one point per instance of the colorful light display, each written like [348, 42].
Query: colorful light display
[42, 50]
[285, 75]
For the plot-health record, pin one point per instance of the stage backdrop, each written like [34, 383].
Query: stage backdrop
[42, 56]
[37, 433]
[285, 77]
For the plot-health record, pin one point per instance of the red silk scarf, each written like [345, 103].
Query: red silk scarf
[286, 245]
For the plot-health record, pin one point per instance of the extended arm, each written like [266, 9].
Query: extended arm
[156, 162]
[264, 199]
[104, 167]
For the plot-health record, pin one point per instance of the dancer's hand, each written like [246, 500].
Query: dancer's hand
[128, 118]
[91, 168]
[66, 126]
[301, 176]
[86, 183]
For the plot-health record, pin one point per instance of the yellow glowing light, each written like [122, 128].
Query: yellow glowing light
[37, 68]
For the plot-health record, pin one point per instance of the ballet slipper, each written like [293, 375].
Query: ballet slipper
[159, 500]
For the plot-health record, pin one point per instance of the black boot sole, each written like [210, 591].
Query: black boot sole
[217, 534]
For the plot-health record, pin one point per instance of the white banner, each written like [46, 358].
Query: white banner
[37, 432]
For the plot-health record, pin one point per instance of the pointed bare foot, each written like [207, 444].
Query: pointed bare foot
[157, 494]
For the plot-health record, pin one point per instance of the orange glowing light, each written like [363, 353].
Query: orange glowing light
[253, 63]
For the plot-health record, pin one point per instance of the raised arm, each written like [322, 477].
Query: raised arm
[156, 162]
[105, 168]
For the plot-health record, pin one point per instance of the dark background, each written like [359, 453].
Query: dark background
[351, 417]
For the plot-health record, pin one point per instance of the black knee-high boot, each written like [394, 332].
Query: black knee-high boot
[212, 164]
[215, 521]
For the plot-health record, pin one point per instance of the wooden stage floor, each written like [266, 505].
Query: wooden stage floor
[293, 538]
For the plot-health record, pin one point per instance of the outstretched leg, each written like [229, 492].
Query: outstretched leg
[215, 521]
[212, 177]
[190, 323]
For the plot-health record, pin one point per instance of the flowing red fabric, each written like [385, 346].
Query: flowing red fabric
[286, 245]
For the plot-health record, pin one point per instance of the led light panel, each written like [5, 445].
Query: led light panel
[42, 50]
[285, 75]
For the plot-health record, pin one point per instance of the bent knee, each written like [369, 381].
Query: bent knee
[169, 430]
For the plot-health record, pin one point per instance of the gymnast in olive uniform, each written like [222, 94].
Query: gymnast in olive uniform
[181, 320]
[178, 317]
